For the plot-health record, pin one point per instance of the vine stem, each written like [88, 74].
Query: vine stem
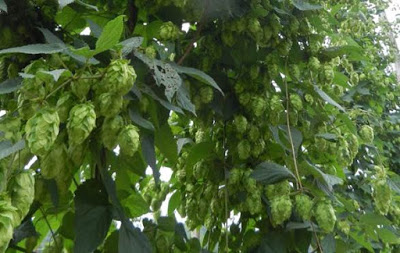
[48, 224]
[226, 192]
[298, 183]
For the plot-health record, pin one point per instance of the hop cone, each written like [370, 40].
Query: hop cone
[281, 209]
[109, 104]
[168, 31]
[128, 140]
[22, 192]
[82, 86]
[119, 78]
[42, 130]
[325, 216]
[303, 206]
[110, 130]
[64, 105]
[81, 121]
[367, 134]
[8, 220]
[54, 162]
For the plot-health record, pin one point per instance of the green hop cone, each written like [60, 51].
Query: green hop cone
[254, 133]
[109, 104]
[258, 148]
[382, 195]
[81, 86]
[11, 126]
[303, 206]
[244, 98]
[296, 102]
[314, 64]
[206, 95]
[119, 78]
[150, 52]
[294, 72]
[42, 130]
[81, 122]
[54, 162]
[169, 31]
[278, 189]
[281, 209]
[254, 71]
[64, 105]
[328, 74]
[8, 220]
[110, 130]
[22, 192]
[344, 226]
[240, 123]
[354, 78]
[128, 140]
[325, 216]
[258, 105]
[367, 134]
[244, 149]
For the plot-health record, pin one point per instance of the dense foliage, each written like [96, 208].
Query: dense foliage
[279, 119]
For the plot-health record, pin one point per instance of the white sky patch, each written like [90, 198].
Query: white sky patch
[32, 161]
[2, 112]
[86, 31]
[185, 27]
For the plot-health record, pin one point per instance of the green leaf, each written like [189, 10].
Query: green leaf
[136, 205]
[3, 6]
[329, 244]
[111, 243]
[273, 242]
[182, 142]
[139, 120]
[198, 152]
[270, 173]
[92, 216]
[327, 98]
[36, 49]
[305, 5]
[111, 34]
[328, 180]
[199, 75]
[149, 154]
[10, 85]
[360, 238]
[166, 223]
[374, 219]
[130, 239]
[7, 148]
[388, 236]
[327, 136]
[166, 143]
[25, 230]
[67, 229]
[297, 136]
[183, 99]
[130, 44]
[174, 202]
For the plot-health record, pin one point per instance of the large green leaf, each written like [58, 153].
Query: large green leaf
[7, 148]
[130, 44]
[327, 98]
[199, 75]
[10, 85]
[149, 154]
[329, 244]
[132, 240]
[135, 205]
[174, 202]
[140, 121]
[36, 49]
[305, 5]
[198, 152]
[111, 34]
[273, 242]
[92, 216]
[166, 143]
[3, 6]
[328, 180]
[270, 173]
[374, 219]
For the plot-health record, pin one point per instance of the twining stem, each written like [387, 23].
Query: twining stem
[48, 224]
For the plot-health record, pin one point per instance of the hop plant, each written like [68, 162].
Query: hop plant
[81, 121]
[382, 195]
[296, 102]
[11, 126]
[8, 220]
[150, 52]
[110, 130]
[354, 78]
[244, 149]
[281, 209]
[344, 226]
[109, 104]
[169, 31]
[304, 205]
[119, 78]
[22, 192]
[325, 216]
[254, 72]
[240, 123]
[258, 105]
[128, 140]
[278, 189]
[64, 105]
[258, 148]
[367, 134]
[328, 73]
[54, 162]
[314, 64]
[294, 72]
[81, 86]
[254, 133]
[42, 130]
[206, 95]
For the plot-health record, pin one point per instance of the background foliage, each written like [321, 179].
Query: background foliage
[278, 118]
